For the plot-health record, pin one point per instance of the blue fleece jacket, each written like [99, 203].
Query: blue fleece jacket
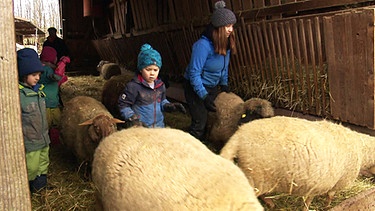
[206, 68]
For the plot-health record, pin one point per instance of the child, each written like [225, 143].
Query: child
[50, 80]
[34, 120]
[144, 97]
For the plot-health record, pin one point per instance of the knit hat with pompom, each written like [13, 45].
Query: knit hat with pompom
[148, 56]
[222, 16]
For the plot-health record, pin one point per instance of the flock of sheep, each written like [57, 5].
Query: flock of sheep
[258, 154]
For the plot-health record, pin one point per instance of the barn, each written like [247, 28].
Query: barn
[310, 58]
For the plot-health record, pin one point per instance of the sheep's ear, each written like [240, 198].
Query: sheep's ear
[372, 170]
[115, 121]
[88, 122]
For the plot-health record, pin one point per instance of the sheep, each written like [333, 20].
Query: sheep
[231, 112]
[112, 90]
[166, 169]
[108, 69]
[300, 157]
[84, 123]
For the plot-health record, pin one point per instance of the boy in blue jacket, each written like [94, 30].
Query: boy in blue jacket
[144, 98]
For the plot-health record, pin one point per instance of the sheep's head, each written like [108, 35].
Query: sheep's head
[369, 172]
[256, 108]
[101, 126]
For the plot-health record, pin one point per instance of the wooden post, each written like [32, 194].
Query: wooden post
[14, 189]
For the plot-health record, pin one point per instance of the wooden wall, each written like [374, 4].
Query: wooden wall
[350, 55]
[294, 53]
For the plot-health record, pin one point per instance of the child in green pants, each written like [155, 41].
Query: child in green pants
[34, 119]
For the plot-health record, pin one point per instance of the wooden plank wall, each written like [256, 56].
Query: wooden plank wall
[305, 63]
[350, 54]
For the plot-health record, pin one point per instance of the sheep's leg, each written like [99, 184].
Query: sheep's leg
[267, 201]
[330, 196]
[307, 201]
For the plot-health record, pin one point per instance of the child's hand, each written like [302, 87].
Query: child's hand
[135, 121]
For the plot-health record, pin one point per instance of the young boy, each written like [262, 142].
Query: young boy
[34, 120]
[144, 97]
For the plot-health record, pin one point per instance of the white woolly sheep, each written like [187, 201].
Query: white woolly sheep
[84, 123]
[108, 69]
[300, 157]
[231, 112]
[166, 169]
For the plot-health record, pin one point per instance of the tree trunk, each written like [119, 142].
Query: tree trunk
[14, 190]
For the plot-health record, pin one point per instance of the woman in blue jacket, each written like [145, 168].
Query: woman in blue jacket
[208, 67]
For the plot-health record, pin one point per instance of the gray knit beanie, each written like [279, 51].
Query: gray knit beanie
[222, 16]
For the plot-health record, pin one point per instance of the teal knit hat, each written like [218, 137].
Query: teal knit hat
[148, 56]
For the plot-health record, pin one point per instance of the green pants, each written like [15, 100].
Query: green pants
[37, 162]
[53, 117]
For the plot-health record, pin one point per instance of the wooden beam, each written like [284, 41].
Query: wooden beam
[296, 7]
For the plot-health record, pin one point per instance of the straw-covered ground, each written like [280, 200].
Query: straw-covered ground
[69, 185]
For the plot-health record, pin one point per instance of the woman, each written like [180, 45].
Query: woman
[208, 67]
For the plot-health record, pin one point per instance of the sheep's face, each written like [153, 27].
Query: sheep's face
[102, 126]
[368, 172]
[249, 116]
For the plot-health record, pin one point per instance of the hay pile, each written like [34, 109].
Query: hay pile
[69, 185]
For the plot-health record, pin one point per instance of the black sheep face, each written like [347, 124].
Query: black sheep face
[249, 116]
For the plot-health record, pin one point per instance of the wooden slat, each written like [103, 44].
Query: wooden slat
[258, 52]
[306, 61]
[359, 23]
[255, 73]
[235, 77]
[273, 53]
[296, 6]
[369, 66]
[299, 67]
[262, 53]
[335, 58]
[268, 57]
[135, 13]
[285, 54]
[311, 43]
[280, 61]
[236, 5]
[259, 4]
[291, 56]
[247, 4]
[321, 78]
[247, 57]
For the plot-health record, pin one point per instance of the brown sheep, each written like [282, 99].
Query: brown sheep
[112, 90]
[166, 169]
[232, 111]
[108, 69]
[300, 157]
[84, 123]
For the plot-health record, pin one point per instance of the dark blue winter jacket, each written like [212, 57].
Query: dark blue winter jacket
[139, 98]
